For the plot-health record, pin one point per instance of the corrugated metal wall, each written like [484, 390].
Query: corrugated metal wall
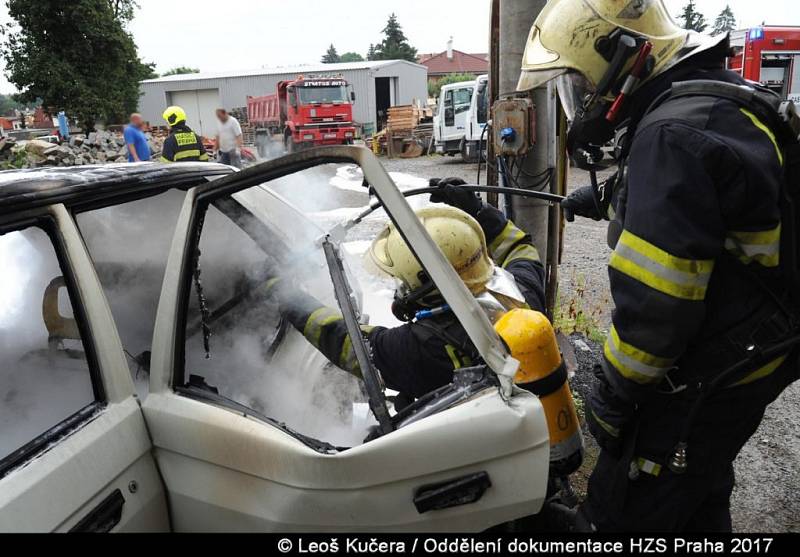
[412, 85]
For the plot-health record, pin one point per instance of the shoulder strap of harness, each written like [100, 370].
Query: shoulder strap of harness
[782, 118]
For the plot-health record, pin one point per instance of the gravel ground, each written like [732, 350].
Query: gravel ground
[768, 469]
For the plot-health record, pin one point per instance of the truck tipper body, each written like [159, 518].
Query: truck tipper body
[303, 113]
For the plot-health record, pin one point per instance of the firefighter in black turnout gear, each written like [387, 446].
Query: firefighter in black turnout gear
[704, 269]
[495, 259]
[182, 144]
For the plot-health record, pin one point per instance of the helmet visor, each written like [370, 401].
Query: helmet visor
[574, 90]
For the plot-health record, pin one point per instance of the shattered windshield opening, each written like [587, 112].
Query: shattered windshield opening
[265, 307]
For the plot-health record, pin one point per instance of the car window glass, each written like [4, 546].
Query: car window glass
[44, 373]
[463, 99]
[130, 244]
[257, 358]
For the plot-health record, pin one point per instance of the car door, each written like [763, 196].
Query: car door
[75, 454]
[469, 457]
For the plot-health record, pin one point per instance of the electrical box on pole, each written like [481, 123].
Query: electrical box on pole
[514, 125]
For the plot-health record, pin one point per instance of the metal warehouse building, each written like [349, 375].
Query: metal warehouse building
[377, 85]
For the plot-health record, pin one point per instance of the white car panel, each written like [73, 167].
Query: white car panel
[226, 472]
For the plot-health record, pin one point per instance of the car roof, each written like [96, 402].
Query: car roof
[22, 190]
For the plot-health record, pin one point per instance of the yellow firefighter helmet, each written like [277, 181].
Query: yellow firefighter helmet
[567, 39]
[174, 115]
[457, 234]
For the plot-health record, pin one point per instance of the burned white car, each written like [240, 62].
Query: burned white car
[147, 385]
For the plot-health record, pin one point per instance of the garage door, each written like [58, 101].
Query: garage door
[200, 107]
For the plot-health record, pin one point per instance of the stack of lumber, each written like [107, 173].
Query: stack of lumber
[403, 119]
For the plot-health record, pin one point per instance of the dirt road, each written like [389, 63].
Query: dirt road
[766, 497]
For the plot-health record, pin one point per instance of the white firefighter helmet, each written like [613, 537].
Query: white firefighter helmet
[457, 234]
[565, 39]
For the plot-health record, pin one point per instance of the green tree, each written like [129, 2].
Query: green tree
[331, 56]
[123, 9]
[435, 87]
[372, 52]
[181, 70]
[395, 45]
[692, 19]
[351, 57]
[76, 56]
[725, 22]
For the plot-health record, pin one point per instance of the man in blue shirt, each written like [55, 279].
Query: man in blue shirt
[138, 149]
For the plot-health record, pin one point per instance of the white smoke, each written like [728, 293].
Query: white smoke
[39, 387]
[283, 378]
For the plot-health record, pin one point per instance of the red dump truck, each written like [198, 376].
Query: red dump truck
[307, 112]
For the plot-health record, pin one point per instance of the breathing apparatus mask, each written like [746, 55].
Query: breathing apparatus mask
[594, 112]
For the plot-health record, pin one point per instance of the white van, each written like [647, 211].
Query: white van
[461, 118]
[452, 117]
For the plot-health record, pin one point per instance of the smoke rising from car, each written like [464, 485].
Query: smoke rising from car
[256, 360]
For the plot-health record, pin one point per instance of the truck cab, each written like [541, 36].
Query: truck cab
[316, 111]
[305, 112]
[452, 117]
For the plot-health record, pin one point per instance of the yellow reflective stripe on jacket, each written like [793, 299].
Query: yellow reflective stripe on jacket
[610, 429]
[503, 244]
[678, 277]
[457, 361]
[634, 363]
[180, 155]
[763, 372]
[347, 357]
[763, 127]
[760, 247]
[165, 159]
[523, 251]
[648, 466]
[317, 321]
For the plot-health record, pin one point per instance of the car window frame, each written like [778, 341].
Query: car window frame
[59, 431]
[172, 375]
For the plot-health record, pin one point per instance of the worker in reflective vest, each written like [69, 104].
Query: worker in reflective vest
[182, 144]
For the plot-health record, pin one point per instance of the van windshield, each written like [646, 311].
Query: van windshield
[322, 95]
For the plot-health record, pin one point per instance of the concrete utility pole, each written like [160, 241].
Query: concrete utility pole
[516, 19]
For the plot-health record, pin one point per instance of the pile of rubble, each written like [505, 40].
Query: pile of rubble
[95, 148]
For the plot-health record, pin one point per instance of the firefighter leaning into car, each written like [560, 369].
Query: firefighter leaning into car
[421, 356]
[704, 332]
[182, 144]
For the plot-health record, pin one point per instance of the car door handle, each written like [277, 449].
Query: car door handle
[454, 493]
[104, 517]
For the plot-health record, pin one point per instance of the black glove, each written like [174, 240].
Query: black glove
[607, 415]
[451, 194]
[583, 202]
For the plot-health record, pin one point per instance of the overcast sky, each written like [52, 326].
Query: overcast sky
[219, 35]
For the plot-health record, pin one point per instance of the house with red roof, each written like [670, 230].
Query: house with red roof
[451, 62]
